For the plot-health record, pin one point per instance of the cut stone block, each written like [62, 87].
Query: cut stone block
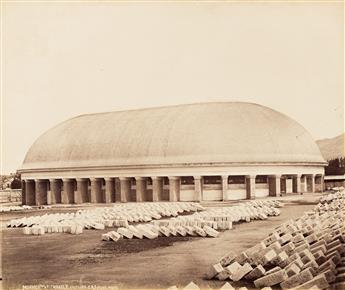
[147, 233]
[311, 264]
[311, 238]
[321, 248]
[276, 246]
[223, 275]
[320, 281]
[181, 231]
[190, 231]
[339, 248]
[272, 279]
[306, 256]
[332, 244]
[200, 231]
[241, 258]
[282, 256]
[297, 279]
[288, 248]
[334, 256]
[136, 233]
[292, 269]
[241, 272]
[115, 236]
[285, 239]
[330, 275]
[191, 286]
[125, 233]
[214, 270]
[227, 259]
[318, 243]
[297, 238]
[271, 239]
[268, 257]
[172, 230]
[256, 273]
[340, 277]
[227, 286]
[273, 270]
[327, 265]
[210, 232]
[233, 268]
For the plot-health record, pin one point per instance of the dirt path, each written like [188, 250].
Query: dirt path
[85, 260]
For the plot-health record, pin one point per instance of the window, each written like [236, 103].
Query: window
[212, 180]
[187, 180]
[261, 179]
[237, 179]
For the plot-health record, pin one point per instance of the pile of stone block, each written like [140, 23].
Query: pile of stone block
[254, 210]
[98, 218]
[226, 286]
[4, 208]
[300, 254]
[202, 224]
[153, 231]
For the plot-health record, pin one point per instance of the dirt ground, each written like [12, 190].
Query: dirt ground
[86, 261]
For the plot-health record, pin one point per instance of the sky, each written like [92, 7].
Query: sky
[61, 59]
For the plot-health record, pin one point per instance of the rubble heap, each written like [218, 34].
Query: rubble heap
[202, 224]
[300, 254]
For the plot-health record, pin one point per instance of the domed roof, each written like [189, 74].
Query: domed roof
[229, 132]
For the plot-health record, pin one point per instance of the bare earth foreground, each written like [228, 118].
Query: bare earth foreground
[85, 260]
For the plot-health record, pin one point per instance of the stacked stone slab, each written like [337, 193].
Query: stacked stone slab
[152, 231]
[14, 208]
[207, 224]
[253, 210]
[299, 254]
[226, 286]
[99, 218]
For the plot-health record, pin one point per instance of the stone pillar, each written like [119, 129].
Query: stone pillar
[96, 190]
[198, 188]
[310, 183]
[81, 193]
[322, 183]
[296, 183]
[23, 193]
[225, 186]
[140, 189]
[157, 188]
[67, 195]
[40, 192]
[125, 184]
[283, 184]
[117, 196]
[277, 185]
[30, 192]
[303, 184]
[250, 186]
[109, 189]
[312, 178]
[55, 191]
[174, 188]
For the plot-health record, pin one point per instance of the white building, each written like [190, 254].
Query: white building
[207, 151]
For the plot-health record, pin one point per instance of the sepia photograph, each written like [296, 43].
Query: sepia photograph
[174, 145]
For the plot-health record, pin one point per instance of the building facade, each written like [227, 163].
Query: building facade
[197, 152]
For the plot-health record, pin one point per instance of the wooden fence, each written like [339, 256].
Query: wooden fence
[10, 195]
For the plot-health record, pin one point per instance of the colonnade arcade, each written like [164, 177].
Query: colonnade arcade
[169, 188]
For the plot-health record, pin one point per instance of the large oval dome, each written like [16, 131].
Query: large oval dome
[230, 132]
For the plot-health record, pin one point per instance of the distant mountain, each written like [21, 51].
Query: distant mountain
[332, 147]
